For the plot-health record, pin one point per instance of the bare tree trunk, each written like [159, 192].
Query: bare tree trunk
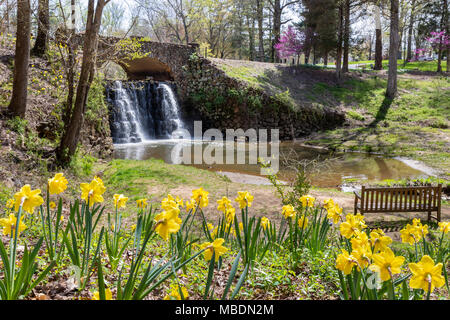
[325, 58]
[260, 17]
[378, 40]
[339, 44]
[40, 46]
[393, 49]
[447, 32]
[410, 32]
[71, 135]
[18, 104]
[276, 27]
[370, 48]
[346, 36]
[71, 68]
[251, 37]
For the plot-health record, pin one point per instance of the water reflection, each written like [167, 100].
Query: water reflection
[324, 169]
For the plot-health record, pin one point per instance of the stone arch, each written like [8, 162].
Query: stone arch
[147, 68]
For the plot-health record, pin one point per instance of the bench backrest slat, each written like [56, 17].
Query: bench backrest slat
[401, 199]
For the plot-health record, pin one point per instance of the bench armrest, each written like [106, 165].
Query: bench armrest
[357, 194]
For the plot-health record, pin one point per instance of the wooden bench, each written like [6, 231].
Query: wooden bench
[400, 199]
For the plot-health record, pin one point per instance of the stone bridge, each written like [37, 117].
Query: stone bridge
[163, 61]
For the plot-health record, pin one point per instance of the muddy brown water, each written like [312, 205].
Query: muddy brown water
[325, 169]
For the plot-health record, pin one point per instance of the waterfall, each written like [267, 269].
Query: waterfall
[141, 111]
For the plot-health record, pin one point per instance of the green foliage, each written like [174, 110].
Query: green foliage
[17, 124]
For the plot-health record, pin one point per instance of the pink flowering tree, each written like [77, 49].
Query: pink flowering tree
[439, 41]
[290, 44]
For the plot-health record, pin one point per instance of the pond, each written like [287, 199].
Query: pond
[325, 169]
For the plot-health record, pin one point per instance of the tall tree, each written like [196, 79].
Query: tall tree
[340, 39]
[260, 18]
[40, 46]
[278, 7]
[69, 141]
[378, 39]
[410, 31]
[346, 36]
[393, 50]
[18, 104]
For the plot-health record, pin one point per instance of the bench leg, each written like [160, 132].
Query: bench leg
[429, 216]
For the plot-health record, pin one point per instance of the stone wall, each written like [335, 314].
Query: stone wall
[223, 102]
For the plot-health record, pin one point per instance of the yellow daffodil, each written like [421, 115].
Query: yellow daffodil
[328, 204]
[363, 256]
[119, 201]
[215, 247]
[108, 295]
[167, 222]
[174, 294]
[244, 199]
[223, 204]
[142, 203]
[52, 205]
[241, 227]
[57, 184]
[307, 201]
[345, 262]
[302, 222]
[28, 198]
[9, 225]
[444, 227]
[229, 214]
[334, 213]
[411, 234]
[351, 226]
[360, 241]
[288, 211]
[200, 197]
[133, 227]
[426, 275]
[10, 203]
[190, 205]
[264, 222]
[379, 240]
[170, 202]
[92, 192]
[386, 264]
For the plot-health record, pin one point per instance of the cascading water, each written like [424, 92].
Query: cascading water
[141, 110]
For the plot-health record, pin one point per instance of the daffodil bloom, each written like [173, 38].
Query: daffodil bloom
[29, 199]
[444, 227]
[351, 226]
[379, 240]
[92, 192]
[10, 203]
[174, 294]
[244, 199]
[307, 201]
[215, 247]
[334, 213]
[108, 295]
[57, 184]
[360, 241]
[133, 227]
[362, 255]
[328, 204]
[170, 202]
[229, 214]
[288, 211]
[426, 275]
[52, 205]
[223, 204]
[142, 203]
[264, 222]
[119, 201]
[345, 262]
[302, 222]
[167, 222]
[386, 264]
[200, 197]
[190, 205]
[241, 227]
[9, 225]
[410, 234]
